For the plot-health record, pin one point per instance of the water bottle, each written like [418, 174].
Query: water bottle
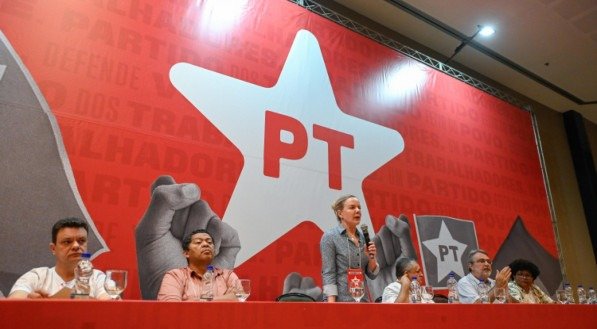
[592, 296]
[83, 273]
[568, 292]
[452, 289]
[415, 291]
[581, 294]
[207, 293]
[483, 292]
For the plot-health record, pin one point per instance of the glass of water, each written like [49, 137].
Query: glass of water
[500, 296]
[115, 283]
[243, 290]
[427, 294]
[356, 288]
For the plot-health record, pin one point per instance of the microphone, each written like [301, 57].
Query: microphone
[365, 230]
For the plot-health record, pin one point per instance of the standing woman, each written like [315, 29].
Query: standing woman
[343, 247]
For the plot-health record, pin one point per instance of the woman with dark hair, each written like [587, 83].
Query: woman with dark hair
[522, 287]
[399, 290]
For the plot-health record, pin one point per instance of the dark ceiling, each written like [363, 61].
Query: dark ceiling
[543, 49]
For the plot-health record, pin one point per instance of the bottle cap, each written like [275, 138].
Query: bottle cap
[210, 267]
[86, 255]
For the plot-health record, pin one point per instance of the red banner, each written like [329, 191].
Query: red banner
[273, 112]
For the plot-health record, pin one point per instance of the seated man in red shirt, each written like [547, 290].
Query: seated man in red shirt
[189, 283]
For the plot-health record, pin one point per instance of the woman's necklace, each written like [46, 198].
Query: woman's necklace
[353, 237]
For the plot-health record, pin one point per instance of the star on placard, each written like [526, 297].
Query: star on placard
[450, 259]
[263, 208]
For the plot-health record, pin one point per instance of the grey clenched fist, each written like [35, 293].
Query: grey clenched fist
[393, 241]
[175, 210]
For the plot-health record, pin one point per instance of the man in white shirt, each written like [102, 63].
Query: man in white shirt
[69, 241]
[479, 266]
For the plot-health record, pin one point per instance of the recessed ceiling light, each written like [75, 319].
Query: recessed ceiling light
[487, 31]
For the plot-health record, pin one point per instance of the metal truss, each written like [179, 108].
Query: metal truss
[414, 54]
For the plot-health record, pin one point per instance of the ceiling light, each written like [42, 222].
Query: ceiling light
[486, 31]
[483, 30]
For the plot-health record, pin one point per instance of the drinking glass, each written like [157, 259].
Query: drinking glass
[561, 296]
[500, 296]
[356, 288]
[115, 283]
[243, 290]
[426, 294]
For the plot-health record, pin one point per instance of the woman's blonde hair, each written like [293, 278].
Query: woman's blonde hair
[339, 204]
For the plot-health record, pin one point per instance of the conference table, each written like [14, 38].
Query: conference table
[253, 314]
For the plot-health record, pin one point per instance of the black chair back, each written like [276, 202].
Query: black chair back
[294, 297]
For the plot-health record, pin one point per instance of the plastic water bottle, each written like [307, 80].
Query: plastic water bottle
[415, 291]
[452, 289]
[83, 273]
[483, 290]
[207, 293]
[581, 294]
[568, 292]
[592, 296]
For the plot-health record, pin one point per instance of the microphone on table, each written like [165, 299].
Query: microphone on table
[365, 230]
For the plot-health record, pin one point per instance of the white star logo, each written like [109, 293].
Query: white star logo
[300, 150]
[448, 253]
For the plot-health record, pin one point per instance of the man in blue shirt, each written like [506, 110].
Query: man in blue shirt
[479, 266]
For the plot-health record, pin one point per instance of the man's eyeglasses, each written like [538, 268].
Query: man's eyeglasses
[524, 275]
[483, 261]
